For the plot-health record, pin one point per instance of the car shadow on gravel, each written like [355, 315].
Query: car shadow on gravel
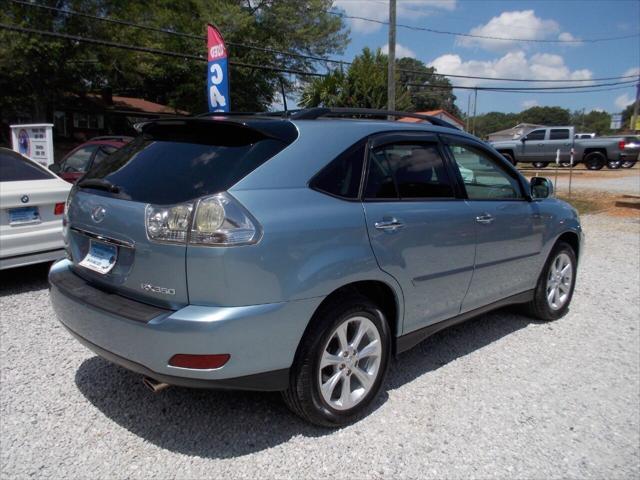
[227, 424]
[24, 279]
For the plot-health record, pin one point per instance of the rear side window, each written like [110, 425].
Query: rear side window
[174, 163]
[14, 168]
[407, 171]
[536, 135]
[560, 134]
[341, 177]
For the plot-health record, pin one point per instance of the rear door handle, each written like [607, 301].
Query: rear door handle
[389, 225]
[485, 218]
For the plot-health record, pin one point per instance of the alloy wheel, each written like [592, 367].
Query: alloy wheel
[350, 363]
[559, 281]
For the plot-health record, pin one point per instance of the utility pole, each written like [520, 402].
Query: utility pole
[468, 111]
[391, 80]
[634, 117]
[475, 109]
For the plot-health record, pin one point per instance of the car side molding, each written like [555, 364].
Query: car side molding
[411, 339]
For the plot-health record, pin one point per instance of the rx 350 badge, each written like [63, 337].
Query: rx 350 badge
[147, 287]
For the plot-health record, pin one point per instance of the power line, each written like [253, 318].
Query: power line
[192, 36]
[156, 51]
[485, 37]
[300, 55]
[511, 90]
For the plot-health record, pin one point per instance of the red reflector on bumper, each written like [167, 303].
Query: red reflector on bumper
[58, 209]
[200, 362]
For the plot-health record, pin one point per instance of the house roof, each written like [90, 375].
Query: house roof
[93, 101]
[433, 113]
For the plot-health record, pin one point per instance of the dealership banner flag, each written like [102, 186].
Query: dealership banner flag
[217, 71]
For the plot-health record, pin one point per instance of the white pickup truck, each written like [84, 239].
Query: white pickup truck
[540, 147]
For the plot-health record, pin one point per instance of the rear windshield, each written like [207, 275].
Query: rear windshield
[174, 163]
[14, 168]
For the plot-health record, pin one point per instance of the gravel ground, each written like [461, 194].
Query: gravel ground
[501, 396]
[616, 182]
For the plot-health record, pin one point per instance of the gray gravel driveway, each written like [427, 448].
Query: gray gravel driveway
[501, 397]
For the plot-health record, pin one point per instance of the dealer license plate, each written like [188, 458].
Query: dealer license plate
[101, 257]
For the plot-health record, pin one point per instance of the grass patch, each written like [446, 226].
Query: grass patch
[588, 204]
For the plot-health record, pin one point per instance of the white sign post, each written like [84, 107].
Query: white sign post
[34, 141]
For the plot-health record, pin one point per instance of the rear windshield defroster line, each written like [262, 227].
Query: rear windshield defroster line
[175, 163]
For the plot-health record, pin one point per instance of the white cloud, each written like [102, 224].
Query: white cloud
[635, 71]
[379, 10]
[623, 101]
[401, 51]
[529, 103]
[570, 39]
[517, 24]
[541, 66]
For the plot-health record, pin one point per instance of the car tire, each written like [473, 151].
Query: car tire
[595, 161]
[326, 358]
[628, 164]
[540, 164]
[554, 290]
[509, 158]
[614, 164]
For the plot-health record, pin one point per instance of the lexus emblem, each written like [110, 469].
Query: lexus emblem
[98, 213]
[24, 199]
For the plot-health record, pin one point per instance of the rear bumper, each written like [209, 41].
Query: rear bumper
[31, 258]
[261, 339]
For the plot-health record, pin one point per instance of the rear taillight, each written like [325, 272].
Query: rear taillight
[217, 220]
[622, 144]
[58, 209]
[168, 224]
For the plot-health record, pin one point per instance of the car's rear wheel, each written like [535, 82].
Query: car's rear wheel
[341, 363]
[595, 161]
[540, 164]
[555, 286]
[614, 164]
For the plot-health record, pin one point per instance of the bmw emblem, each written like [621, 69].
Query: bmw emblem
[24, 199]
[98, 213]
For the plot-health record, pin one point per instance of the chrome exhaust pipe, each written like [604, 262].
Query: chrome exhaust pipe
[154, 385]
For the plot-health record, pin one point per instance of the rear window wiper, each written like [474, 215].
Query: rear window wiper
[99, 184]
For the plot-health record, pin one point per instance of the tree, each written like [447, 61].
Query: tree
[427, 89]
[36, 72]
[594, 121]
[492, 122]
[364, 85]
[546, 116]
[627, 113]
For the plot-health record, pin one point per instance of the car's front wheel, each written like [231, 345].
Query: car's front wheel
[555, 286]
[341, 363]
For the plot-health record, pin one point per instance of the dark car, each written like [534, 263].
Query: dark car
[82, 158]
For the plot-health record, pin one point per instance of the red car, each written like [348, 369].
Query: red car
[90, 153]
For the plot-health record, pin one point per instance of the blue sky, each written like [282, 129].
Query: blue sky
[541, 19]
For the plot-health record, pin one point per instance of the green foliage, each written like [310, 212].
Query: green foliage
[38, 71]
[364, 85]
[550, 116]
[627, 113]
[598, 122]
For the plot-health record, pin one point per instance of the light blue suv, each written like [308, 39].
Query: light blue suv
[298, 254]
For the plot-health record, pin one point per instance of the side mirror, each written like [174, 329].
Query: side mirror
[55, 168]
[541, 188]
[523, 139]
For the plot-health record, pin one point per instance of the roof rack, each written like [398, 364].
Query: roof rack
[313, 113]
[112, 137]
